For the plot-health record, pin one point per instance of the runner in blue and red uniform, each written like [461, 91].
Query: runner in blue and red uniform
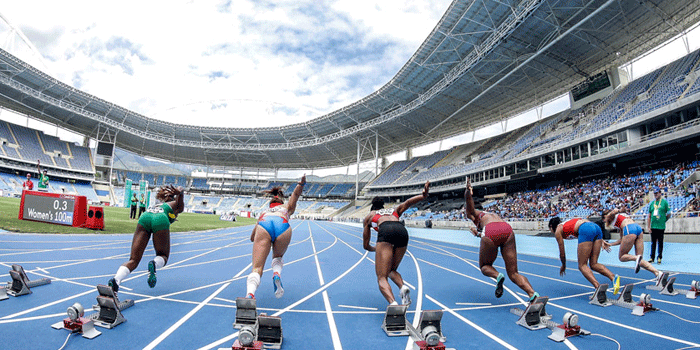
[590, 240]
[497, 234]
[272, 232]
[392, 241]
[631, 235]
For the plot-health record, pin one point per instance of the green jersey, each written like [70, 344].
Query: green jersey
[657, 211]
[43, 181]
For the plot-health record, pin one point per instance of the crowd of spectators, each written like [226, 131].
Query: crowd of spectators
[581, 199]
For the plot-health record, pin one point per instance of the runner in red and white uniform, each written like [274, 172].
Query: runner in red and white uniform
[631, 235]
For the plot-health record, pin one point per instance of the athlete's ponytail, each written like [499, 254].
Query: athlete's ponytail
[277, 195]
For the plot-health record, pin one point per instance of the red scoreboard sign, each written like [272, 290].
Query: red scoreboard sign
[54, 208]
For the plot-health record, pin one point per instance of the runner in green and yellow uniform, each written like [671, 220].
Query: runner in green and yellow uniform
[155, 221]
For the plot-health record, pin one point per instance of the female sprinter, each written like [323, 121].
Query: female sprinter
[590, 240]
[497, 233]
[392, 241]
[631, 235]
[157, 222]
[272, 230]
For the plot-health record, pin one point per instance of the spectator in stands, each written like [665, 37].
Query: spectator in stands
[590, 240]
[28, 185]
[497, 234]
[43, 178]
[392, 242]
[134, 205]
[142, 204]
[631, 235]
[659, 212]
[157, 223]
[273, 231]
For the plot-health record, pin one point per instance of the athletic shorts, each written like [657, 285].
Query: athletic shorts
[392, 232]
[498, 232]
[589, 232]
[632, 229]
[274, 225]
[154, 222]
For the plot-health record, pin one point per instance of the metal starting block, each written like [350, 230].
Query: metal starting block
[638, 309]
[429, 335]
[531, 317]
[20, 285]
[246, 313]
[77, 323]
[600, 296]
[395, 323]
[258, 345]
[660, 283]
[569, 328]
[270, 331]
[109, 309]
[691, 294]
[668, 288]
[643, 306]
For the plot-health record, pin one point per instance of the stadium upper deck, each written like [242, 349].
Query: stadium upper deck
[482, 61]
[619, 122]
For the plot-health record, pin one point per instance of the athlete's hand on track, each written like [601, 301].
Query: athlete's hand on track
[475, 232]
[606, 246]
[562, 270]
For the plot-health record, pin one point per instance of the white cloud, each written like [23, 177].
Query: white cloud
[283, 61]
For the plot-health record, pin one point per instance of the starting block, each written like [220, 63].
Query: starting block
[569, 328]
[20, 285]
[638, 309]
[246, 313]
[600, 297]
[691, 294]
[109, 314]
[255, 331]
[660, 283]
[531, 317]
[395, 324]
[270, 331]
[109, 309]
[428, 336]
[77, 323]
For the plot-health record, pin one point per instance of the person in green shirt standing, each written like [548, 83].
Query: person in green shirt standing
[134, 204]
[659, 213]
[142, 205]
[43, 178]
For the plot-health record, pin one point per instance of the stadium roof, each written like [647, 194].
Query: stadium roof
[484, 61]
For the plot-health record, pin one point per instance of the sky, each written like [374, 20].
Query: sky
[237, 63]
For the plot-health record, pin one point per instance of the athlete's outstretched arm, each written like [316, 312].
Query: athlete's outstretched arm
[413, 200]
[562, 252]
[469, 201]
[292, 205]
[178, 205]
[367, 234]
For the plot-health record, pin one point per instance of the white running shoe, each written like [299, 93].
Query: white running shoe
[638, 264]
[277, 283]
[405, 293]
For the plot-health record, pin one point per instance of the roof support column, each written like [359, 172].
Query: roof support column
[376, 153]
[357, 176]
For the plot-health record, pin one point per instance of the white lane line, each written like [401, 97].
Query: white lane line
[329, 312]
[47, 304]
[570, 345]
[293, 305]
[184, 319]
[419, 301]
[485, 332]
[625, 326]
[485, 304]
[42, 270]
[33, 318]
[358, 307]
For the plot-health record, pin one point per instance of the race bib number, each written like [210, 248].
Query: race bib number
[385, 211]
[155, 210]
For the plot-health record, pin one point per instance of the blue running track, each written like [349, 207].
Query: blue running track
[331, 298]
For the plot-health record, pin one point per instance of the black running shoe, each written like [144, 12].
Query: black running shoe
[499, 285]
[113, 284]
